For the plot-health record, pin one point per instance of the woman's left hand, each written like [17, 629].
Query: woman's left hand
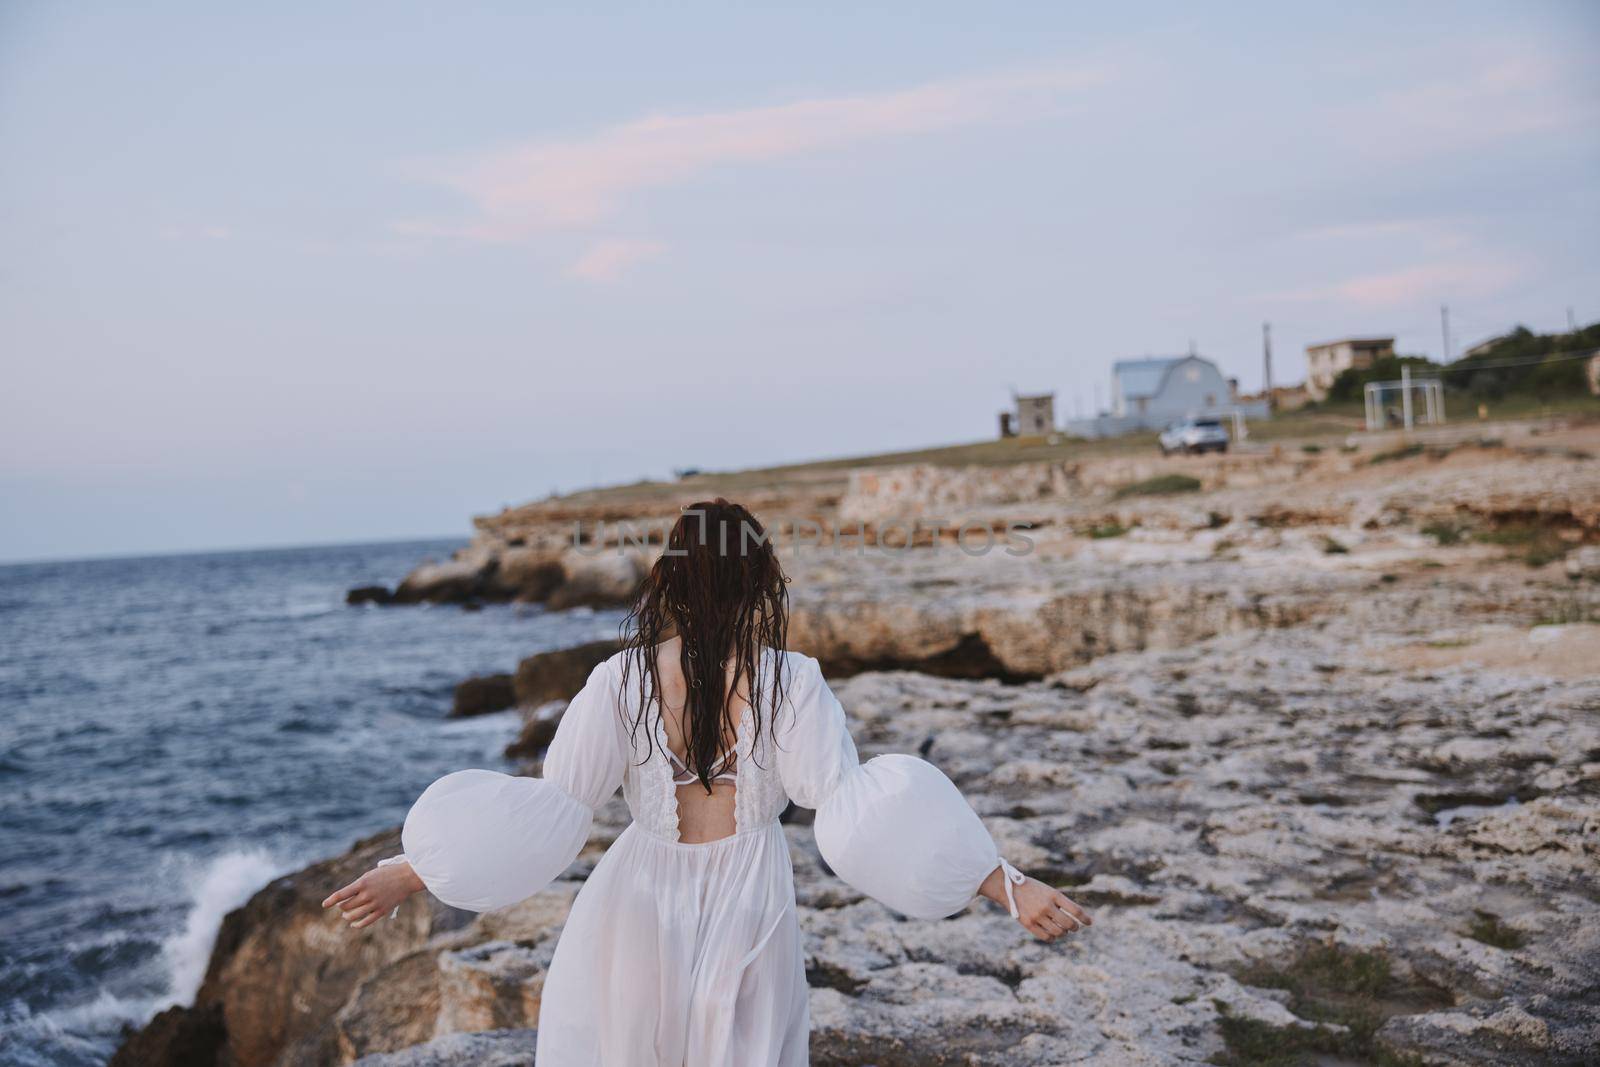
[1044, 912]
[375, 894]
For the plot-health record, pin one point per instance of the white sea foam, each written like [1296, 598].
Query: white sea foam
[78, 1031]
[223, 883]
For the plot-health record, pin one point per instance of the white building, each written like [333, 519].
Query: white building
[1151, 393]
[1327, 361]
[1166, 388]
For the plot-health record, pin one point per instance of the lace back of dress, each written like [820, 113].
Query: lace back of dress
[654, 774]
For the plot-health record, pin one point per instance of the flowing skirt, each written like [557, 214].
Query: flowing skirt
[680, 955]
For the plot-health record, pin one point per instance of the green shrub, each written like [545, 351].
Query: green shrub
[1543, 380]
[1532, 543]
[1487, 927]
[1326, 984]
[1446, 533]
[1404, 452]
[1164, 485]
[1351, 384]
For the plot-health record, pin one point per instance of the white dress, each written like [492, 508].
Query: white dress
[690, 954]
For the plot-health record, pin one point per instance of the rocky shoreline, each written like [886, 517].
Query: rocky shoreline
[1319, 741]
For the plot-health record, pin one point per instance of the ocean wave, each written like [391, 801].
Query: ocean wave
[87, 1031]
[82, 1033]
[299, 692]
[223, 883]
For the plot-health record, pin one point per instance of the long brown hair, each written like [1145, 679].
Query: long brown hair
[718, 584]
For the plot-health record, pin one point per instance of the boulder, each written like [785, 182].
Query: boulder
[528, 574]
[564, 578]
[177, 1037]
[282, 967]
[492, 986]
[452, 581]
[607, 579]
[369, 594]
[478, 696]
[558, 675]
[538, 730]
[395, 1008]
[1583, 564]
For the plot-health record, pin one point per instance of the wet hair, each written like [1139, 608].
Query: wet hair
[718, 585]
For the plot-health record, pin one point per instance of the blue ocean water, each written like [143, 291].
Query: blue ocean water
[175, 731]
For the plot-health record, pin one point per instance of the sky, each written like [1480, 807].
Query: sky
[310, 273]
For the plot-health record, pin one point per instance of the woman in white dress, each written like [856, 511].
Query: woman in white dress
[683, 946]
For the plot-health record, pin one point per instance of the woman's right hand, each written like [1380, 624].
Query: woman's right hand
[375, 894]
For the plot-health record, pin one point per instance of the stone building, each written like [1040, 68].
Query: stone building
[1030, 415]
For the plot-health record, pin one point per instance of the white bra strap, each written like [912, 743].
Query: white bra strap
[687, 777]
[1013, 877]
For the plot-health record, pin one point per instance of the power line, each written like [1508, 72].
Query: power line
[1554, 357]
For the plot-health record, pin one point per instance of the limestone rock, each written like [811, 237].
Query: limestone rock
[453, 580]
[495, 1048]
[1584, 564]
[558, 675]
[486, 693]
[282, 967]
[608, 579]
[178, 1037]
[494, 985]
[1285, 779]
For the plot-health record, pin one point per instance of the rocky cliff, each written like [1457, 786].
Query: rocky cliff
[1318, 740]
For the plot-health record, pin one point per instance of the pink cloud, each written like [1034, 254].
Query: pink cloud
[1488, 98]
[554, 184]
[610, 259]
[1423, 283]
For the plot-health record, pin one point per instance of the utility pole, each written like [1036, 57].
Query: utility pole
[1266, 363]
[1444, 326]
[1572, 323]
[1405, 394]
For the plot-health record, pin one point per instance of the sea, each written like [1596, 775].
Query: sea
[176, 731]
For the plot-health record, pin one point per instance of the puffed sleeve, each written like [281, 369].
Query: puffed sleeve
[481, 840]
[894, 827]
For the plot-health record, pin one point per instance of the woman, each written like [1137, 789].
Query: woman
[683, 946]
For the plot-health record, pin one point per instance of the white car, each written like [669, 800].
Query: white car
[1194, 435]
